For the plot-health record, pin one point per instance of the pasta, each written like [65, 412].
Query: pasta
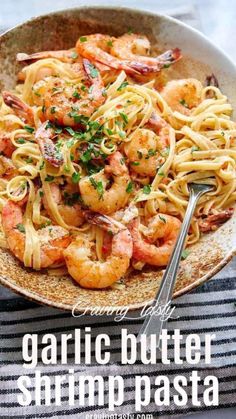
[93, 142]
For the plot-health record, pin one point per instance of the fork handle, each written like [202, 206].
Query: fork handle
[153, 324]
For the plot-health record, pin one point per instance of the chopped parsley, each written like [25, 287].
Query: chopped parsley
[70, 131]
[184, 103]
[49, 178]
[135, 163]
[83, 39]
[46, 224]
[49, 125]
[53, 109]
[151, 152]
[162, 219]
[86, 156]
[109, 43]
[140, 154]
[129, 187]
[21, 141]
[166, 65]
[20, 227]
[147, 189]
[75, 177]
[42, 165]
[58, 130]
[76, 94]
[124, 84]
[29, 160]
[185, 254]
[98, 186]
[43, 108]
[124, 117]
[29, 129]
[41, 194]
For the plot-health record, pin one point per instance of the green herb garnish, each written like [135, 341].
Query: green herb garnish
[129, 187]
[124, 117]
[124, 84]
[29, 129]
[147, 189]
[75, 177]
[185, 254]
[20, 227]
[49, 178]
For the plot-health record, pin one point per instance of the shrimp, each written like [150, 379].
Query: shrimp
[6, 146]
[71, 214]
[66, 103]
[146, 151]
[7, 169]
[69, 56]
[90, 273]
[66, 56]
[163, 227]
[20, 108]
[93, 188]
[136, 49]
[212, 222]
[53, 239]
[99, 47]
[182, 95]
[44, 136]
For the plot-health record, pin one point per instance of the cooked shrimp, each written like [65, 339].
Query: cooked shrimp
[6, 146]
[99, 48]
[66, 56]
[136, 49]
[182, 95]
[7, 169]
[129, 46]
[96, 48]
[161, 227]
[146, 151]
[53, 239]
[91, 273]
[93, 188]
[65, 102]
[44, 136]
[71, 214]
[212, 222]
[20, 108]
[69, 56]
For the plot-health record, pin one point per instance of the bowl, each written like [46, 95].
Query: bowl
[60, 30]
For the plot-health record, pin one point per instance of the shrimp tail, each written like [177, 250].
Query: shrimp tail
[167, 58]
[47, 147]
[170, 56]
[65, 56]
[212, 222]
[20, 108]
[104, 222]
[211, 80]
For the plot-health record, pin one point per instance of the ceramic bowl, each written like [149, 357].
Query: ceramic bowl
[60, 30]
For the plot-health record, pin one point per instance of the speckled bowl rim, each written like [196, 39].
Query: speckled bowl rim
[66, 307]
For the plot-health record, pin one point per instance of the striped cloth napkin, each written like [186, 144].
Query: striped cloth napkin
[209, 309]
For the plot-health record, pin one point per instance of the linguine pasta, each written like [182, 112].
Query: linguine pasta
[192, 143]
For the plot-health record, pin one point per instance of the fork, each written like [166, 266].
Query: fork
[154, 324]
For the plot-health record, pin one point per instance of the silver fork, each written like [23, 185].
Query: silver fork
[153, 324]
